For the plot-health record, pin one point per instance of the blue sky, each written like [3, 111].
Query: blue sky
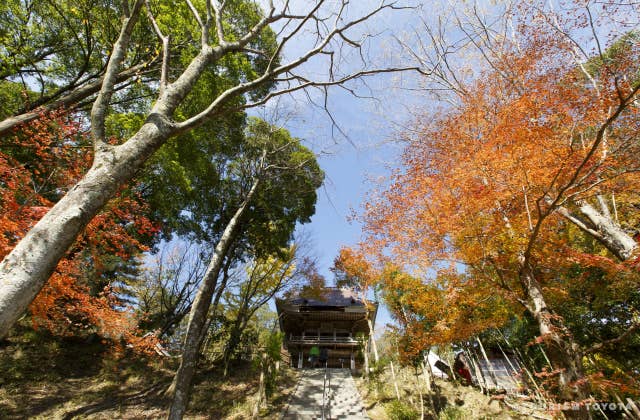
[349, 162]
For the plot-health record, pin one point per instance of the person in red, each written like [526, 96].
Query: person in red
[461, 367]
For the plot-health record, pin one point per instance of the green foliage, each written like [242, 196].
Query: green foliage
[196, 183]
[49, 47]
[288, 192]
[603, 306]
[186, 181]
[398, 410]
[10, 97]
[453, 412]
[273, 348]
[273, 345]
[245, 303]
[361, 338]
[624, 49]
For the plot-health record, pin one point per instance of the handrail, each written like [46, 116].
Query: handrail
[313, 338]
[324, 389]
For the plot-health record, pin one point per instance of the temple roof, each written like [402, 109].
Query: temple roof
[330, 307]
[330, 296]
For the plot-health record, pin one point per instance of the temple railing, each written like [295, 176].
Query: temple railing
[314, 339]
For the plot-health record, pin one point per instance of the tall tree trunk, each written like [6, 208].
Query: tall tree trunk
[205, 337]
[181, 385]
[564, 353]
[28, 266]
[234, 339]
[373, 340]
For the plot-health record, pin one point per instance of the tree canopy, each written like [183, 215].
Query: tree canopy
[504, 202]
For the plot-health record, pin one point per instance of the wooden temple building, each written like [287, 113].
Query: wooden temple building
[334, 319]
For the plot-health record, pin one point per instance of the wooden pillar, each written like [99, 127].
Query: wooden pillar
[300, 358]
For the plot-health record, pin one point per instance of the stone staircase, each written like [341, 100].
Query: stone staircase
[342, 400]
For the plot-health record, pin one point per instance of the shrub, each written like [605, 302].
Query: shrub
[397, 410]
[452, 412]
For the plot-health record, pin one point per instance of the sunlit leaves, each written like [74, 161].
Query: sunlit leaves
[476, 198]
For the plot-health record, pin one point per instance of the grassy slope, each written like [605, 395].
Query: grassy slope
[42, 377]
[451, 401]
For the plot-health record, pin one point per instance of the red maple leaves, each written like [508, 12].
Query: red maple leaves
[37, 166]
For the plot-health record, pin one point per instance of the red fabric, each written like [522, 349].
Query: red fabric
[465, 374]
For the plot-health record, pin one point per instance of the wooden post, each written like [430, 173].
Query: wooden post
[624, 408]
[633, 406]
[428, 378]
[510, 364]
[508, 359]
[261, 388]
[366, 359]
[395, 381]
[489, 365]
[373, 340]
[522, 362]
[545, 356]
[417, 379]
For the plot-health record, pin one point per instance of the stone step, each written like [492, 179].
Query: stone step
[342, 400]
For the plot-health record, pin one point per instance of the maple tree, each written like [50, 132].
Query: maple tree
[449, 309]
[37, 165]
[490, 187]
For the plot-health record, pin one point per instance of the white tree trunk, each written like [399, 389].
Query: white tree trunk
[28, 266]
[603, 228]
[373, 341]
[611, 234]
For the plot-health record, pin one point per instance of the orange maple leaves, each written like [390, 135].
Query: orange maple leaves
[481, 181]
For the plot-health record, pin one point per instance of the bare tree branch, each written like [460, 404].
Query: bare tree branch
[164, 72]
[99, 110]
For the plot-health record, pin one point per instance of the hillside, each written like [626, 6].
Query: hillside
[43, 377]
[449, 400]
